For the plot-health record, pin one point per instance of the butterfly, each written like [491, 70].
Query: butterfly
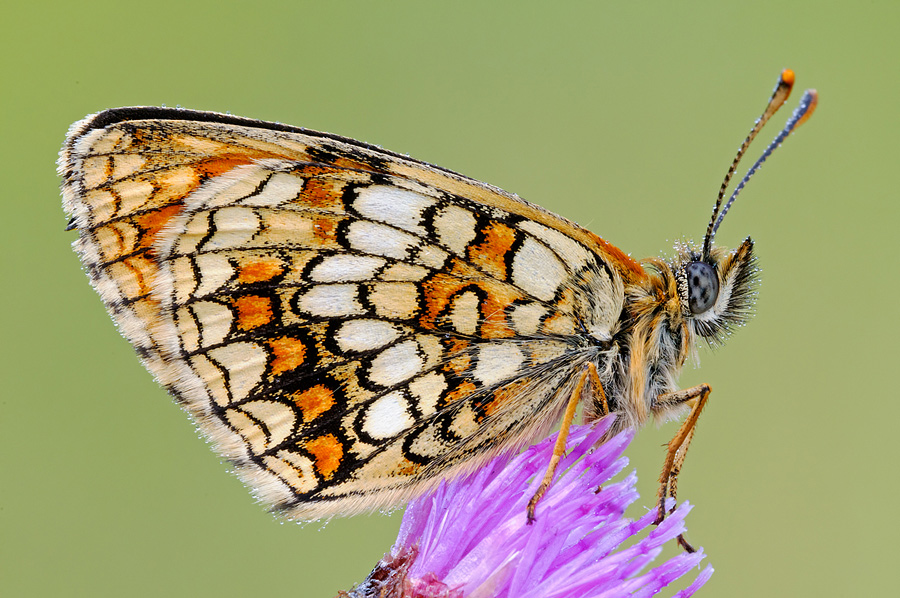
[349, 326]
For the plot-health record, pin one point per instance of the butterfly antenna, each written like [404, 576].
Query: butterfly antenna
[779, 96]
[801, 113]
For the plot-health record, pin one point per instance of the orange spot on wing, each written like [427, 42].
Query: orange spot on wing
[289, 354]
[253, 311]
[455, 345]
[490, 255]
[405, 467]
[310, 171]
[494, 309]
[152, 222]
[501, 396]
[328, 452]
[314, 401]
[351, 163]
[222, 164]
[259, 271]
[463, 391]
[463, 269]
[323, 230]
[323, 194]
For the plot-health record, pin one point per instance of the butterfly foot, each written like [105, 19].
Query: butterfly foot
[532, 505]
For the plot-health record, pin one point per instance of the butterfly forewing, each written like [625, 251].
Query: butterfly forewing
[347, 325]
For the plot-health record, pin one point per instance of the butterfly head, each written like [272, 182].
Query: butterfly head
[716, 292]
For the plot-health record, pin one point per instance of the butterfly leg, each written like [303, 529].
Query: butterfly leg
[559, 449]
[696, 397]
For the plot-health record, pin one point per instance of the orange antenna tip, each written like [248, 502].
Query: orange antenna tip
[813, 102]
[787, 75]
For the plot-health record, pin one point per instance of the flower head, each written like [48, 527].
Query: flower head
[470, 538]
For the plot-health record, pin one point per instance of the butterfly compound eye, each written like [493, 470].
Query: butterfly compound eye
[703, 286]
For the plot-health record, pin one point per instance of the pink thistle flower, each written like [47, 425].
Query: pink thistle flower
[469, 539]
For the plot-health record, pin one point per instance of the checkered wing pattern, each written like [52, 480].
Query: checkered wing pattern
[347, 325]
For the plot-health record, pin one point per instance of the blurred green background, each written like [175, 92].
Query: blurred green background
[622, 117]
